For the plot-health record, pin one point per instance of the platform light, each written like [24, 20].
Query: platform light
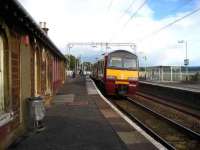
[186, 60]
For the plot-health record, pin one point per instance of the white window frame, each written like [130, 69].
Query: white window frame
[35, 74]
[4, 117]
[2, 107]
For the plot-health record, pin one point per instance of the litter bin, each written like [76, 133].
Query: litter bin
[36, 113]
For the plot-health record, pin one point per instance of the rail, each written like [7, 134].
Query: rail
[188, 133]
[177, 106]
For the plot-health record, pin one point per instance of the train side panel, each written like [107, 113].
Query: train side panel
[117, 80]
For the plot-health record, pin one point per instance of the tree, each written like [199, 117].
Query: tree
[71, 60]
[87, 66]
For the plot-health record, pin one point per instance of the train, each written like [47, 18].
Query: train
[117, 73]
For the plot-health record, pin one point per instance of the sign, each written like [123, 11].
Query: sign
[186, 62]
[25, 40]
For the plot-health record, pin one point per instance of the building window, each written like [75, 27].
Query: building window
[2, 106]
[36, 73]
[6, 113]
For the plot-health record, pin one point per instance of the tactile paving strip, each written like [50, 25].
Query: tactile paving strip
[90, 88]
[127, 134]
[69, 98]
[109, 113]
[78, 103]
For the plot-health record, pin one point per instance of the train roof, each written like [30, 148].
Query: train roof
[121, 50]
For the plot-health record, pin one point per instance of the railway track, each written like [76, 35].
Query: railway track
[186, 110]
[185, 116]
[166, 131]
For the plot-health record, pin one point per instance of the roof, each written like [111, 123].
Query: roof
[13, 11]
[121, 50]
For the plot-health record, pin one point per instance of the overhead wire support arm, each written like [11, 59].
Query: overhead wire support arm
[99, 44]
[102, 44]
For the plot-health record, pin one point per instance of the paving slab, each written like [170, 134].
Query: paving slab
[73, 122]
[79, 119]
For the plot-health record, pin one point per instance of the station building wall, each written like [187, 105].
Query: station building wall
[27, 68]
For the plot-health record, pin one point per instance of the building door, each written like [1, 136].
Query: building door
[1, 76]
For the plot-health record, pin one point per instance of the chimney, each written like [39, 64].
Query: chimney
[43, 27]
[40, 23]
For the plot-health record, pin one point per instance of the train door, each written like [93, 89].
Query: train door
[1, 76]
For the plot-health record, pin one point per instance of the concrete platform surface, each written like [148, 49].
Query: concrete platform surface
[177, 85]
[79, 119]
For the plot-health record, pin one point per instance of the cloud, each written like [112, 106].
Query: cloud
[184, 30]
[90, 20]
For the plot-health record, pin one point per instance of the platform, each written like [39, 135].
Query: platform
[177, 85]
[79, 119]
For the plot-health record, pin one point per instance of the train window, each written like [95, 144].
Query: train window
[129, 63]
[1, 76]
[115, 62]
[122, 59]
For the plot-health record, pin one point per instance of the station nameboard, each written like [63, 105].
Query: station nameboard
[186, 62]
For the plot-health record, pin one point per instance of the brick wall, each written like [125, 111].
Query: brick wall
[55, 73]
[15, 75]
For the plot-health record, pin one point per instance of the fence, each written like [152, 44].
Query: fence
[166, 74]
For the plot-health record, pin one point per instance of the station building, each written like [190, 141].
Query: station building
[30, 65]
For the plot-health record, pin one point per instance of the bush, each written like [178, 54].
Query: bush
[196, 77]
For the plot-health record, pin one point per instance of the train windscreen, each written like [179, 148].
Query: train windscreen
[122, 60]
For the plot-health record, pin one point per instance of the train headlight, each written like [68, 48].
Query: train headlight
[132, 79]
[110, 77]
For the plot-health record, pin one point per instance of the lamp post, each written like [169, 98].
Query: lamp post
[69, 47]
[133, 47]
[145, 60]
[186, 60]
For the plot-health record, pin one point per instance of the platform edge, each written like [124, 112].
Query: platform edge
[129, 121]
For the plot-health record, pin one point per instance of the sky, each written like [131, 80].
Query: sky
[117, 21]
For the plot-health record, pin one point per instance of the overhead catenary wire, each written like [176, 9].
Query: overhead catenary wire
[110, 5]
[170, 24]
[127, 9]
[141, 6]
[135, 13]
[186, 2]
[130, 18]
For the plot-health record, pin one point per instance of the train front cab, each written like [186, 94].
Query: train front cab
[121, 82]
